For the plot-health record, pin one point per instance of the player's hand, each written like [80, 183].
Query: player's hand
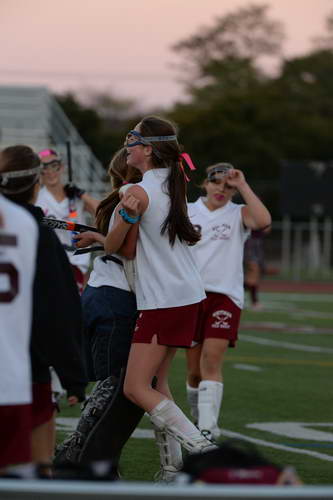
[235, 178]
[131, 205]
[83, 240]
[73, 191]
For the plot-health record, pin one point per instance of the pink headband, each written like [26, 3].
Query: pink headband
[187, 158]
[47, 152]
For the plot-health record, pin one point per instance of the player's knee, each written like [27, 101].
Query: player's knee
[129, 391]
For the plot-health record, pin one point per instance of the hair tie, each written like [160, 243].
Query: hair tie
[188, 160]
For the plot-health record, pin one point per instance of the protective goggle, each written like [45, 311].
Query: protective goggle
[134, 138]
[219, 172]
[5, 178]
[54, 165]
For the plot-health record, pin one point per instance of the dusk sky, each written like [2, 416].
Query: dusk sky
[124, 47]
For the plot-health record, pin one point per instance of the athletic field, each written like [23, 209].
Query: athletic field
[278, 389]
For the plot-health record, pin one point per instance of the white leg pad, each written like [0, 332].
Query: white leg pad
[169, 417]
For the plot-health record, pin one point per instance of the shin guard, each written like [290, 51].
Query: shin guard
[106, 423]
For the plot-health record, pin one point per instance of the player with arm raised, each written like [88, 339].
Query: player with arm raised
[224, 227]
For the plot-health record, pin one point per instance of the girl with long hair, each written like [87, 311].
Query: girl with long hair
[109, 311]
[169, 289]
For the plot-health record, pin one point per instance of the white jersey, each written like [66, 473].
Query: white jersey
[18, 247]
[166, 276]
[60, 210]
[219, 253]
[109, 273]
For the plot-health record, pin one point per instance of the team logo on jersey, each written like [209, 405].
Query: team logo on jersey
[221, 232]
[222, 319]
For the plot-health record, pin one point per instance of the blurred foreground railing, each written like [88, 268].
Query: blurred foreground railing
[82, 490]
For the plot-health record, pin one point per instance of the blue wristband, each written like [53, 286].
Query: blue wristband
[128, 218]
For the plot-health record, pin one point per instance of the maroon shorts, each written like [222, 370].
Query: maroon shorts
[15, 434]
[79, 278]
[173, 326]
[42, 405]
[220, 318]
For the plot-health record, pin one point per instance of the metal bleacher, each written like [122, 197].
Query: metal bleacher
[32, 116]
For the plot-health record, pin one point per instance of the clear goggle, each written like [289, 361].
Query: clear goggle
[134, 138]
[54, 165]
[219, 172]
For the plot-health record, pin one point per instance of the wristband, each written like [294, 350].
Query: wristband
[128, 218]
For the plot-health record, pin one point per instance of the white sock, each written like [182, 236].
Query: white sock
[24, 471]
[219, 398]
[169, 417]
[192, 400]
[209, 402]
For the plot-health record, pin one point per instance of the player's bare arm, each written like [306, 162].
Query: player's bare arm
[134, 203]
[87, 238]
[255, 214]
[90, 203]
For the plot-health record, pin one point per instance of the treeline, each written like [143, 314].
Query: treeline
[237, 111]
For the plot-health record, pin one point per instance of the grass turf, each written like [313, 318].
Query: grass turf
[277, 384]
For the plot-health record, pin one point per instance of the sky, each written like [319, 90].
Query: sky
[124, 47]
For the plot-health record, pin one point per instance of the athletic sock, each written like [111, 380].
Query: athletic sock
[209, 402]
[192, 400]
[24, 471]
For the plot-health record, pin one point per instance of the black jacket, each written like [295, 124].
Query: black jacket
[56, 338]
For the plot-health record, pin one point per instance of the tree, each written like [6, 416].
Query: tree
[232, 48]
[102, 129]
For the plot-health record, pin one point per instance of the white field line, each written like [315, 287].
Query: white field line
[292, 310]
[285, 327]
[298, 297]
[149, 434]
[285, 345]
[251, 368]
[261, 442]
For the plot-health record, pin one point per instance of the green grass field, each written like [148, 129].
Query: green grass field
[278, 389]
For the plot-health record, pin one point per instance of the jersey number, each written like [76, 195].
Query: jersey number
[7, 269]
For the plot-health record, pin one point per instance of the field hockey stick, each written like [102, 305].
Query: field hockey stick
[67, 225]
[105, 258]
[69, 162]
[80, 251]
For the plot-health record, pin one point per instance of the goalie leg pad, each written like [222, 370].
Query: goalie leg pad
[105, 425]
[68, 452]
[113, 429]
